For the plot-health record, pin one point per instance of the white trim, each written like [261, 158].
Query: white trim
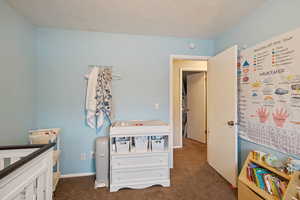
[77, 175]
[189, 57]
[139, 185]
[99, 185]
[172, 58]
[184, 69]
[177, 147]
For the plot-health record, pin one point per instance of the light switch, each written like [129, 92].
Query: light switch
[156, 106]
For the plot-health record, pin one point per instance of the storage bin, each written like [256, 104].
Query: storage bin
[157, 143]
[141, 143]
[122, 144]
[41, 139]
[54, 131]
[43, 136]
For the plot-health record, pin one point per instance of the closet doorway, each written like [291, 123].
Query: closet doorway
[188, 103]
[193, 111]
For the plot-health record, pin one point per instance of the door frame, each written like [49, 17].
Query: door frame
[185, 69]
[171, 97]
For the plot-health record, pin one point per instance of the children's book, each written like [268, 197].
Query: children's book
[259, 173]
[267, 180]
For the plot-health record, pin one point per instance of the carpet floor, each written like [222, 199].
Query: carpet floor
[191, 179]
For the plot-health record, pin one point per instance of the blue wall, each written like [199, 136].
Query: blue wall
[52, 95]
[17, 63]
[142, 61]
[273, 18]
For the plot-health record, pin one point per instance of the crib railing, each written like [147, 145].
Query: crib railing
[26, 172]
[8, 157]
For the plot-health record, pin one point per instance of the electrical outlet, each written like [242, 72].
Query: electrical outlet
[83, 156]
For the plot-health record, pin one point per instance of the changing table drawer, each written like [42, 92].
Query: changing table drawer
[139, 175]
[143, 160]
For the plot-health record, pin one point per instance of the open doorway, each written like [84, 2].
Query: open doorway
[221, 111]
[188, 73]
[193, 110]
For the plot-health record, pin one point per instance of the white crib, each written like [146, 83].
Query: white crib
[26, 172]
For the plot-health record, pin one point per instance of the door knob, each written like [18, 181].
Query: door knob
[186, 110]
[230, 123]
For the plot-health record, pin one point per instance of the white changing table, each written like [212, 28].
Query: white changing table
[140, 169]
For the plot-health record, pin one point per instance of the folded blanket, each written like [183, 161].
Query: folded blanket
[98, 98]
[90, 101]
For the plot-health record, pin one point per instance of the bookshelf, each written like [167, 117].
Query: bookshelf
[274, 170]
[45, 136]
[249, 190]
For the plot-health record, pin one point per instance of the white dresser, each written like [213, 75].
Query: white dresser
[140, 154]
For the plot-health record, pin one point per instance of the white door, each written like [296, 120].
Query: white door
[222, 114]
[196, 105]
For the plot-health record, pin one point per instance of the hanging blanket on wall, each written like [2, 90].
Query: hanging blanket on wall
[98, 98]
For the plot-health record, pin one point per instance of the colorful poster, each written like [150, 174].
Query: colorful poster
[269, 93]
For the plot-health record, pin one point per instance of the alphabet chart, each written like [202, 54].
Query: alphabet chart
[269, 93]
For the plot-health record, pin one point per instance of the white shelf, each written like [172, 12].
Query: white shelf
[138, 153]
[138, 133]
[41, 139]
[43, 131]
[45, 136]
[139, 128]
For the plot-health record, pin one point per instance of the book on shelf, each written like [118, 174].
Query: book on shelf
[259, 174]
[266, 180]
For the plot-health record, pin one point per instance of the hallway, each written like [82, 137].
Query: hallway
[191, 179]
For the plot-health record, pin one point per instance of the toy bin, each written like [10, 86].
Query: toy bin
[141, 143]
[122, 144]
[157, 143]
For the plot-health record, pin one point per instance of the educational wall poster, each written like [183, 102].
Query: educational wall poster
[269, 93]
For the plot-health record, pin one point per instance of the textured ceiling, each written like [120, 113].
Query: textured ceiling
[181, 18]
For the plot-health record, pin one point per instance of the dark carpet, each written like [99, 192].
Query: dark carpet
[191, 179]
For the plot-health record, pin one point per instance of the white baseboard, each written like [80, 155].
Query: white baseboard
[177, 147]
[77, 175]
[99, 185]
